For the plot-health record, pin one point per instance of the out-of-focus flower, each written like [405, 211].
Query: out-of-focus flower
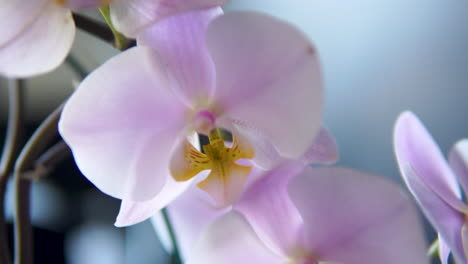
[325, 215]
[128, 121]
[36, 35]
[434, 184]
[130, 17]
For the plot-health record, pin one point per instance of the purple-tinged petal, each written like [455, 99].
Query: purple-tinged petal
[324, 149]
[225, 187]
[78, 4]
[192, 212]
[267, 207]
[414, 147]
[180, 41]
[447, 220]
[131, 16]
[268, 76]
[444, 250]
[18, 16]
[357, 218]
[51, 29]
[266, 156]
[134, 212]
[122, 124]
[458, 160]
[230, 240]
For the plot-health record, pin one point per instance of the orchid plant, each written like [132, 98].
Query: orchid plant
[251, 86]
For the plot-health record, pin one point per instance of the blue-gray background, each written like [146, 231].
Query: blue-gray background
[379, 57]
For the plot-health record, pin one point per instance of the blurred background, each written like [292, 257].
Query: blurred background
[379, 58]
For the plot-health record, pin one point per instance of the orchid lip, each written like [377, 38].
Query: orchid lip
[225, 177]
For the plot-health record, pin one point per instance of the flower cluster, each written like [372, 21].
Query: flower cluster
[251, 86]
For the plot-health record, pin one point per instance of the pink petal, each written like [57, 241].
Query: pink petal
[78, 4]
[18, 16]
[414, 147]
[226, 191]
[230, 240]
[357, 218]
[134, 212]
[268, 76]
[458, 159]
[324, 149]
[267, 207]
[122, 124]
[447, 220]
[131, 16]
[49, 27]
[192, 212]
[180, 41]
[266, 156]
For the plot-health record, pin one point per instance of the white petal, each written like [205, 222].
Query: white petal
[134, 212]
[230, 240]
[122, 125]
[40, 46]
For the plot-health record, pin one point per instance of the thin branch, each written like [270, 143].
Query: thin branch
[10, 151]
[47, 162]
[36, 145]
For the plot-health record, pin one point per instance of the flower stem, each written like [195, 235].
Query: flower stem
[35, 146]
[175, 257]
[10, 150]
[120, 41]
[433, 250]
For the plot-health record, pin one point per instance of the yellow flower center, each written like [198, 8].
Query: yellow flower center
[227, 178]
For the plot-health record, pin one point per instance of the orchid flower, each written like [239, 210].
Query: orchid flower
[325, 215]
[196, 205]
[128, 122]
[36, 35]
[433, 182]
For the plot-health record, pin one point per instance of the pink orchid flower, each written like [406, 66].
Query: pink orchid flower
[325, 215]
[127, 124]
[196, 205]
[434, 184]
[36, 35]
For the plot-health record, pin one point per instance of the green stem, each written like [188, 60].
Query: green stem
[175, 257]
[10, 151]
[35, 146]
[121, 42]
[433, 250]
